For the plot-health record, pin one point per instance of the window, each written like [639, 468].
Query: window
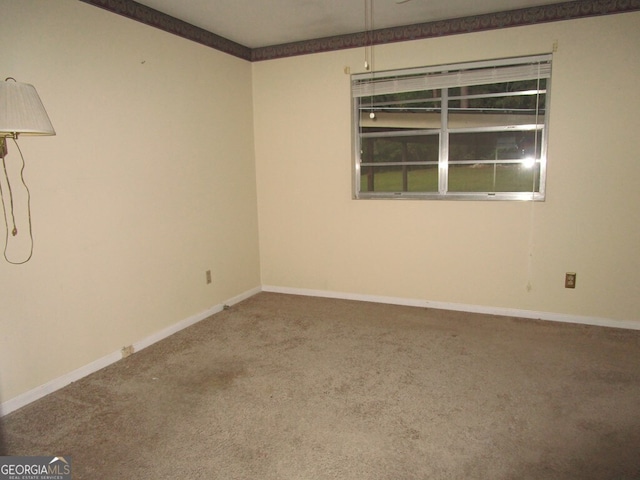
[472, 131]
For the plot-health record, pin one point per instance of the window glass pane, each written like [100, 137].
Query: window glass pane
[400, 178]
[509, 145]
[419, 148]
[399, 112]
[494, 177]
[503, 104]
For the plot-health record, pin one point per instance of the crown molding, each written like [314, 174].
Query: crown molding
[154, 18]
[479, 23]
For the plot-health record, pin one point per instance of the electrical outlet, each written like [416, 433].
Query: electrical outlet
[570, 280]
[208, 276]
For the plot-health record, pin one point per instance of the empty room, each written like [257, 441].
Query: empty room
[375, 239]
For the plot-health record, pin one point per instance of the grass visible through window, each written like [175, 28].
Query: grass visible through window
[462, 178]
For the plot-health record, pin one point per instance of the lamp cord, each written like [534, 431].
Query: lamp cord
[13, 218]
[14, 231]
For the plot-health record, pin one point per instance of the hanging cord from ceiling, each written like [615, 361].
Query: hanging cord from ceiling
[368, 34]
[11, 213]
[369, 59]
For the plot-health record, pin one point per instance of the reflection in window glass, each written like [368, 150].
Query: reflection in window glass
[494, 177]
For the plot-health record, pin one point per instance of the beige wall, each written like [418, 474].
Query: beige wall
[149, 182]
[504, 255]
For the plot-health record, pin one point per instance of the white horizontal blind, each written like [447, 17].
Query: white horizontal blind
[530, 68]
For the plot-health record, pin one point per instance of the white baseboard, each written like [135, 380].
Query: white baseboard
[57, 383]
[60, 382]
[162, 334]
[508, 312]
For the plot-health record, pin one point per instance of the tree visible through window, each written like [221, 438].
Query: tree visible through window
[467, 131]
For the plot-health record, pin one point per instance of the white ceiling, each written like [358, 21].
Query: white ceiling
[261, 23]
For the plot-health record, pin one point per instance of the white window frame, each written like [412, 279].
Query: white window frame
[366, 85]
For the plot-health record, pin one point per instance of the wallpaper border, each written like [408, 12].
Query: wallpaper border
[154, 18]
[478, 23]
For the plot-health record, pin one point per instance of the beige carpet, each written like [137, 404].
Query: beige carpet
[289, 387]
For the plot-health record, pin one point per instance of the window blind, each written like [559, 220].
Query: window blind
[530, 68]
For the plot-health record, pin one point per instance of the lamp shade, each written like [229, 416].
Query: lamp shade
[21, 111]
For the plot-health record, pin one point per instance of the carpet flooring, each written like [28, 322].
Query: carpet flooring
[293, 387]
